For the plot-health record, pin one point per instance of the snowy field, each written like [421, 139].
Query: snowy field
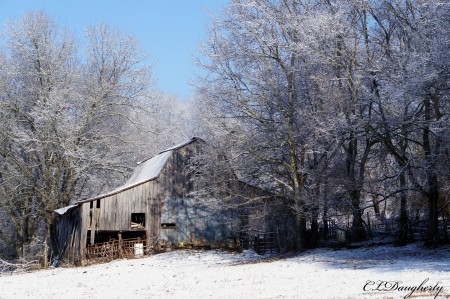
[320, 273]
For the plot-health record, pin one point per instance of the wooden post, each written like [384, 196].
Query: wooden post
[120, 244]
[45, 254]
[278, 240]
[147, 242]
[92, 235]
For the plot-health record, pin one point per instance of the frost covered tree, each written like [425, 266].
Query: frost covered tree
[37, 82]
[334, 104]
[409, 42]
[258, 80]
[72, 125]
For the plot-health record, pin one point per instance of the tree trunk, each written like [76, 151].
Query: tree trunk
[325, 227]
[325, 203]
[358, 231]
[433, 225]
[300, 229]
[300, 222]
[314, 228]
[376, 206]
[432, 181]
[404, 226]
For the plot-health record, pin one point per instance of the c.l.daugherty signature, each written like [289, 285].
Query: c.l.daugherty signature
[389, 286]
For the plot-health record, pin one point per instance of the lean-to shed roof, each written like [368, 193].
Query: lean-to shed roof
[63, 210]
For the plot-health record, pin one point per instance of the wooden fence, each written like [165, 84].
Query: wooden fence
[263, 242]
[37, 254]
[107, 251]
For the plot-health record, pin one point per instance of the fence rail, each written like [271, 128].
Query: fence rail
[113, 249]
[263, 242]
[36, 253]
[374, 228]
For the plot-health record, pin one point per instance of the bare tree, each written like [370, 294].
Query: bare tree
[317, 99]
[409, 89]
[71, 126]
[259, 80]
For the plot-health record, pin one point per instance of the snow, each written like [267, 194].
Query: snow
[320, 273]
[177, 146]
[148, 169]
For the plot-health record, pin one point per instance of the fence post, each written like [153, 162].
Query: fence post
[45, 254]
[120, 245]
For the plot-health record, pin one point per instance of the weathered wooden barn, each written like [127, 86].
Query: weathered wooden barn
[152, 209]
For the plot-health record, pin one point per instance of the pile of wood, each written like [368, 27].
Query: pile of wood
[135, 225]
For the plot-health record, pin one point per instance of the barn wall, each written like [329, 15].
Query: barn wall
[163, 200]
[188, 221]
[85, 220]
[174, 179]
[113, 213]
[69, 229]
[64, 224]
[193, 221]
[153, 215]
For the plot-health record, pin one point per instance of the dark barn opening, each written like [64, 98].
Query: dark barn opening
[133, 235]
[168, 226]
[105, 236]
[137, 220]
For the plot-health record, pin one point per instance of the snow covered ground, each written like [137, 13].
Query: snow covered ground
[320, 273]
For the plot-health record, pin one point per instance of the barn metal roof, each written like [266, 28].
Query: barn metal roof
[146, 170]
[175, 147]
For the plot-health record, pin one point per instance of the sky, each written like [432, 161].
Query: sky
[170, 31]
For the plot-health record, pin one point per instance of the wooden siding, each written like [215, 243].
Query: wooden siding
[69, 236]
[113, 212]
[84, 209]
[174, 180]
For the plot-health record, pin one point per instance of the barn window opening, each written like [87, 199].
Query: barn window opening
[90, 218]
[137, 220]
[98, 204]
[168, 226]
[88, 237]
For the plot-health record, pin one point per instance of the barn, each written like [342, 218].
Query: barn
[152, 210]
